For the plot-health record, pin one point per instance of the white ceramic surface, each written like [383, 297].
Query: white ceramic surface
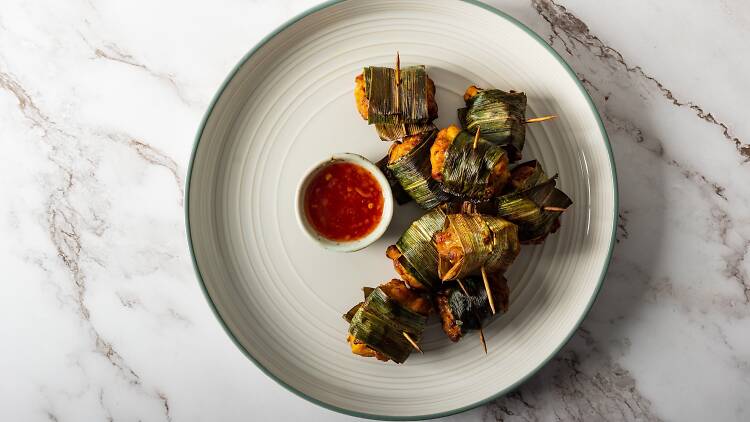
[288, 105]
[353, 245]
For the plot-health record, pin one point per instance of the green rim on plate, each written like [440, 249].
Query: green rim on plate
[199, 134]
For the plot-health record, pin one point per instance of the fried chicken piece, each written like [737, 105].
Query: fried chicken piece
[499, 177]
[471, 91]
[398, 291]
[393, 253]
[363, 102]
[443, 141]
[447, 319]
[360, 96]
[450, 251]
[519, 175]
[361, 349]
[406, 297]
[439, 148]
[432, 108]
[455, 329]
[400, 149]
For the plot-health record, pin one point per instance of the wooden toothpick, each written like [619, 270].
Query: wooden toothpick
[481, 332]
[487, 288]
[461, 285]
[481, 338]
[541, 119]
[398, 69]
[476, 138]
[410, 340]
[555, 209]
[398, 83]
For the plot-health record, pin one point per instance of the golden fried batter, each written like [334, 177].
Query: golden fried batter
[361, 349]
[399, 149]
[360, 96]
[439, 148]
[398, 291]
[471, 91]
[499, 177]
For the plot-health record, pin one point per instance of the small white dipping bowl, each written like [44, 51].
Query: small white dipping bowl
[354, 245]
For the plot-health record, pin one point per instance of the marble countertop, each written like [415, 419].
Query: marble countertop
[101, 317]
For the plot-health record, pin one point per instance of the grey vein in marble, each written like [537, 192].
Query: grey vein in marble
[560, 20]
[64, 220]
[583, 389]
[587, 381]
[113, 52]
[564, 24]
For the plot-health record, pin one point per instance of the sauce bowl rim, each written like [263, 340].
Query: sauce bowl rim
[352, 245]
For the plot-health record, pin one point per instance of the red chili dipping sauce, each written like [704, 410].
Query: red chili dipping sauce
[343, 202]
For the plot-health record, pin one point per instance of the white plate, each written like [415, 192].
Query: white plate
[289, 104]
